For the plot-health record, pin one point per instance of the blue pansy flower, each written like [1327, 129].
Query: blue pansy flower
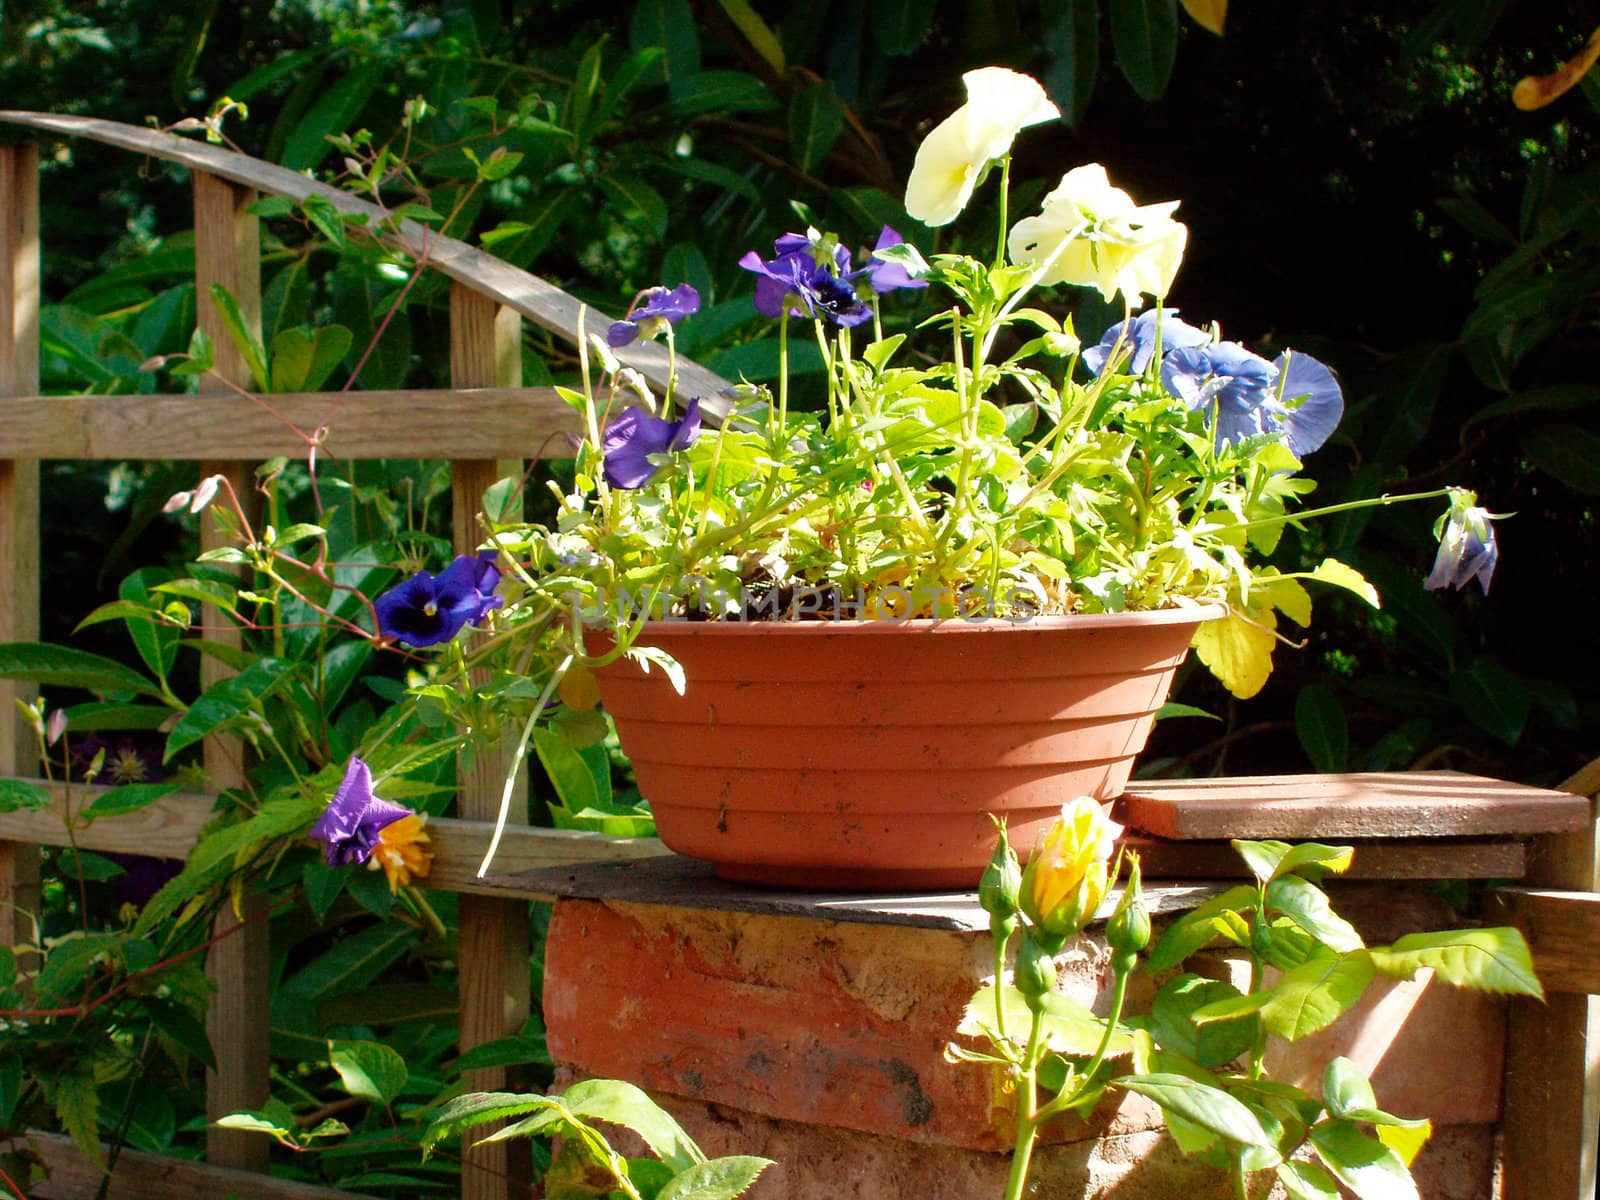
[1295, 397]
[634, 436]
[355, 818]
[809, 279]
[1138, 336]
[1467, 546]
[426, 609]
[658, 308]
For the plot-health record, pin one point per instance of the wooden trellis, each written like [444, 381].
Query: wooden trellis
[473, 423]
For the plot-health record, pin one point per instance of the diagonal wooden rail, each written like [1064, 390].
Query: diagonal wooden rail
[225, 430]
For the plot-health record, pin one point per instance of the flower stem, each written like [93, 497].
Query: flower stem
[1005, 195]
[1329, 510]
[1027, 1112]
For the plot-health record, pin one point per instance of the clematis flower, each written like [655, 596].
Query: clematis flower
[808, 277]
[1467, 546]
[1295, 397]
[634, 436]
[426, 610]
[1094, 235]
[1067, 876]
[661, 307]
[1138, 336]
[354, 818]
[1000, 104]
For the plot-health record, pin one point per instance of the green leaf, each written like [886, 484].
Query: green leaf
[1212, 1044]
[1338, 574]
[335, 110]
[1313, 996]
[569, 774]
[156, 642]
[1072, 35]
[227, 701]
[816, 119]
[620, 1103]
[1307, 1181]
[720, 1179]
[77, 1105]
[1208, 1107]
[1488, 960]
[17, 796]
[1173, 709]
[1568, 452]
[1346, 1087]
[370, 1070]
[636, 202]
[478, 1108]
[757, 32]
[181, 1027]
[721, 92]
[1319, 723]
[244, 337]
[10, 1087]
[669, 25]
[1363, 1164]
[1268, 859]
[303, 358]
[1304, 903]
[39, 662]
[348, 965]
[1198, 929]
[1494, 698]
[1145, 34]
[516, 1051]
[128, 798]
[901, 26]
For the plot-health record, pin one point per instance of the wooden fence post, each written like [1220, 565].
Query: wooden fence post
[1552, 1085]
[227, 251]
[19, 510]
[486, 351]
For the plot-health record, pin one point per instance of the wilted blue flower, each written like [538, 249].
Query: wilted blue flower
[888, 276]
[809, 279]
[355, 818]
[427, 609]
[1295, 397]
[1138, 335]
[661, 307]
[1467, 547]
[635, 435]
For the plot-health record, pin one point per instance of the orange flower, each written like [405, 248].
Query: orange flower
[400, 851]
[1068, 874]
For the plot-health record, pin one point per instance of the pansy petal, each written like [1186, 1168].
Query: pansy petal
[1312, 399]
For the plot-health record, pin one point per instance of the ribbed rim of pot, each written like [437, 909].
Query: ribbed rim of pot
[1146, 617]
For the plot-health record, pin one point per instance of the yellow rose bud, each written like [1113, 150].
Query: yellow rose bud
[1067, 876]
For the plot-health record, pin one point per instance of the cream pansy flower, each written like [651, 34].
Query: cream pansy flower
[1094, 235]
[999, 104]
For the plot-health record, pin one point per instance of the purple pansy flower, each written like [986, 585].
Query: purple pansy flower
[1467, 548]
[888, 276]
[354, 818]
[635, 435]
[659, 308]
[1295, 397]
[426, 609]
[1138, 335]
[809, 279]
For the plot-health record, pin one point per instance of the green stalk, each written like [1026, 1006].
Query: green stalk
[1027, 1113]
[1005, 195]
[1383, 501]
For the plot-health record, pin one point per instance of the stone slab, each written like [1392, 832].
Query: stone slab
[675, 881]
[1396, 804]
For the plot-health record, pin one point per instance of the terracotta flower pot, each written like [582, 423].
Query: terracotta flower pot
[868, 755]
